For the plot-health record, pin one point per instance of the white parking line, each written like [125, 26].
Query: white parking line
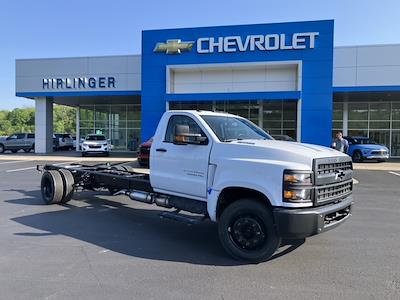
[11, 162]
[394, 173]
[30, 168]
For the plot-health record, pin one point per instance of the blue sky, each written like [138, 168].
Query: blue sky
[56, 28]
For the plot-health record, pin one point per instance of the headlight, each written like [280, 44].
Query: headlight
[84, 144]
[105, 144]
[296, 178]
[297, 186]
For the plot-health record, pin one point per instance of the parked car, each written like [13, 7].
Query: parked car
[283, 137]
[364, 148]
[144, 153]
[96, 144]
[63, 141]
[18, 141]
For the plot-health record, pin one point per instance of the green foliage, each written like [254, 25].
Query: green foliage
[64, 119]
[23, 120]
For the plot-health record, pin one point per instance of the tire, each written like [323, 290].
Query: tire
[357, 156]
[2, 149]
[83, 154]
[27, 150]
[106, 154]
[52, 187]
[68, 182]
[14, 150]
[247, 232]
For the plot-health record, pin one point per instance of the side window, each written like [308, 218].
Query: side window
[31, 136]
[181, 120]
[20, 136]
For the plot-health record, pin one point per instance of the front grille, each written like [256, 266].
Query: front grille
[94, 147]
[333, 179]
[379, 152]
[333, 191]
[332, 167]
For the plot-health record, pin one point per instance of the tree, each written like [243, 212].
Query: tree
[23, 120]
[64, 119]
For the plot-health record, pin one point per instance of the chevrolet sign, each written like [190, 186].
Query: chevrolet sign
[269, 42]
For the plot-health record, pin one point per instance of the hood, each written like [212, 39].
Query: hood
[371, 146]
[282, 151]
[95, 142]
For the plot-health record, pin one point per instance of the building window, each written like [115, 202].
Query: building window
[276, 117]
[120, 123]
[379, 121]
[337, 118]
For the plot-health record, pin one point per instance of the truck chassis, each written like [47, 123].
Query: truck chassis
[59, 183]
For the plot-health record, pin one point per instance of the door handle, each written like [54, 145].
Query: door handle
[161, 150]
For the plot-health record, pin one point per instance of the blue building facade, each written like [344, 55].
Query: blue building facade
[297, 57]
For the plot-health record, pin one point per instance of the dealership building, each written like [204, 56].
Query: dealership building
[288, 78]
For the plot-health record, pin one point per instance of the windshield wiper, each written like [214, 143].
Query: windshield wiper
[231, 140]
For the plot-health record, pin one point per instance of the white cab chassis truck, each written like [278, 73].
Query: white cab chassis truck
[224, 168]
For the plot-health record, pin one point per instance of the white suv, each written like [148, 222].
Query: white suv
[95, 144]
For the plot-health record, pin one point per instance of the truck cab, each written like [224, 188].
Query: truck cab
[236, 169]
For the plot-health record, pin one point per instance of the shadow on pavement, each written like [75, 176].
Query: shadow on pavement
[132, 231]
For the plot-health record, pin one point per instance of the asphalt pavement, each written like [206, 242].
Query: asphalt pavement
[108, 247]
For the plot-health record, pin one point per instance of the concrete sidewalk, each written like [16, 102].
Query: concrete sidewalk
[69, 156]
[391, 165]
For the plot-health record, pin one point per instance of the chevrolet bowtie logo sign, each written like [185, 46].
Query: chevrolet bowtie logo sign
[173, 47]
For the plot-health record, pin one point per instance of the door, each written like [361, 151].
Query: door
[21, 140]
[180, 168]
[12, 142]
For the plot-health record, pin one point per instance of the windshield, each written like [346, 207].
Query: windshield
[230, 129]
[95, 138]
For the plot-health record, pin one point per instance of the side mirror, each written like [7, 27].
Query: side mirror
[182, 136]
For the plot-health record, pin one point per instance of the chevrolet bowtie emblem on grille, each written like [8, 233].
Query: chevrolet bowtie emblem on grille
[173, 47]
[339, 174]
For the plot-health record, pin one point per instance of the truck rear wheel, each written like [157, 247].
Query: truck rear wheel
[68, 182]
[247, 232]
[52, 187]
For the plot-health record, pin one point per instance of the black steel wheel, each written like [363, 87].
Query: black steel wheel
[68, 181]
[14, 150]
[52, 187]
[247, 232]
[357, 156]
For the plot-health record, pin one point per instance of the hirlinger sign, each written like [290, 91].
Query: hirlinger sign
[78, 83]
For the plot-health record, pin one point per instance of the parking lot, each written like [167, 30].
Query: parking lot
[101, 246]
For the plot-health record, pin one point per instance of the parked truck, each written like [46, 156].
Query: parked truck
[224, 168]
[18, 141]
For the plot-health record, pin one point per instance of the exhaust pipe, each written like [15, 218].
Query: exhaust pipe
[141, 197]
[144, 197]
[149, 198]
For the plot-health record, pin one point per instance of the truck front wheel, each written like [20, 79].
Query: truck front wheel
[247, 232]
